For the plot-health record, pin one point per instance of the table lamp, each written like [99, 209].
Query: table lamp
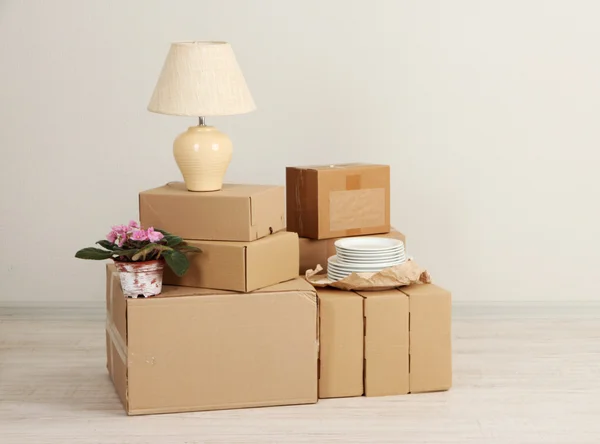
[201, 79]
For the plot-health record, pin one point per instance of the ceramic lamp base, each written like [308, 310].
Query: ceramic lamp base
[202, 154]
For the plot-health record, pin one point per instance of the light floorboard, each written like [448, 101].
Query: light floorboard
[522, 374]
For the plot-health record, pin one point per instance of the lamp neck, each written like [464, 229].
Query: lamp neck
[201, 121]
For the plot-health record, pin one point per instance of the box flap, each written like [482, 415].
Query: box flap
[298, 284]
[265, 217]
[271, 259]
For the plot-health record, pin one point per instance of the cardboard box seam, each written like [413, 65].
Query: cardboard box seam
[245, 268]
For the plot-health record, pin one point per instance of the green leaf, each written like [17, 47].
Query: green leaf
[107, 244]
[93, 253]
[143, 252]
[148, 249]
[177, 261]
[173, 240]
[188, 248]
[126, 253]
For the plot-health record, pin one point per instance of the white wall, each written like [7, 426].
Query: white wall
[487, 112]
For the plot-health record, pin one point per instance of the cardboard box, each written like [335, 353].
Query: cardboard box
[430, 338]
[341, 343]
[192, 349]
[338, 200]
[240, 266]
[403, 335]
[235, 213]
[317, 251]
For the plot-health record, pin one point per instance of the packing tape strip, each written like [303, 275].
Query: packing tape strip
[353, 183]
[298, 187]
[111, 328]
[116, 338]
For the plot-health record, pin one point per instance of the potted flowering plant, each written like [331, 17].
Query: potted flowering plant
[140, 256]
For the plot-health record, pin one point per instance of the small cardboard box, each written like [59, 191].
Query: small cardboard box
[338, 200]
[317, 251]
[192, 349]
[403, 337]
[240, 266]
[235, 213]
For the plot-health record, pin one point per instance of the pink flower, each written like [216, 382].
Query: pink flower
[112, 236]
[120, 229]
[154, 236]
[139, 235]
[133, 224]
[122, 239]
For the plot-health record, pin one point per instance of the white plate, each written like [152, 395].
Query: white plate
[348, 272]
[369, 255]
[339, 277]
[361, 260]
[335, 276]
[345, 268]
[368, 243]
[333, 263]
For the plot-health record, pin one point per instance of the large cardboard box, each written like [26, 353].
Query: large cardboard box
[338, 200]
[317, 251]
[192, 349]
[235, 213]
[240, 266]
[403, 336]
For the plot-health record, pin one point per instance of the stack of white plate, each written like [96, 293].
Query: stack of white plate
[364, 254]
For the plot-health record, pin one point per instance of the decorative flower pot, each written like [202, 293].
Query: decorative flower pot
[141, 279]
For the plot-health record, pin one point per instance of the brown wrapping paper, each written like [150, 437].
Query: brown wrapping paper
[392, 277]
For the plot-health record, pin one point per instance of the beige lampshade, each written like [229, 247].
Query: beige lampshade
[201, 79]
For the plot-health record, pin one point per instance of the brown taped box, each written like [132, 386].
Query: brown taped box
[317, 251]
[338, 200]
[383, 343]
[192, 349]
[235, 213]
[240, 266]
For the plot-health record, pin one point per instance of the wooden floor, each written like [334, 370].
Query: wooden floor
[522, 374]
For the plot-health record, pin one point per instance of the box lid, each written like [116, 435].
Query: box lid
[228, 190]
[235, 191]
[174, 291]
[338, 166]
[237, 212]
